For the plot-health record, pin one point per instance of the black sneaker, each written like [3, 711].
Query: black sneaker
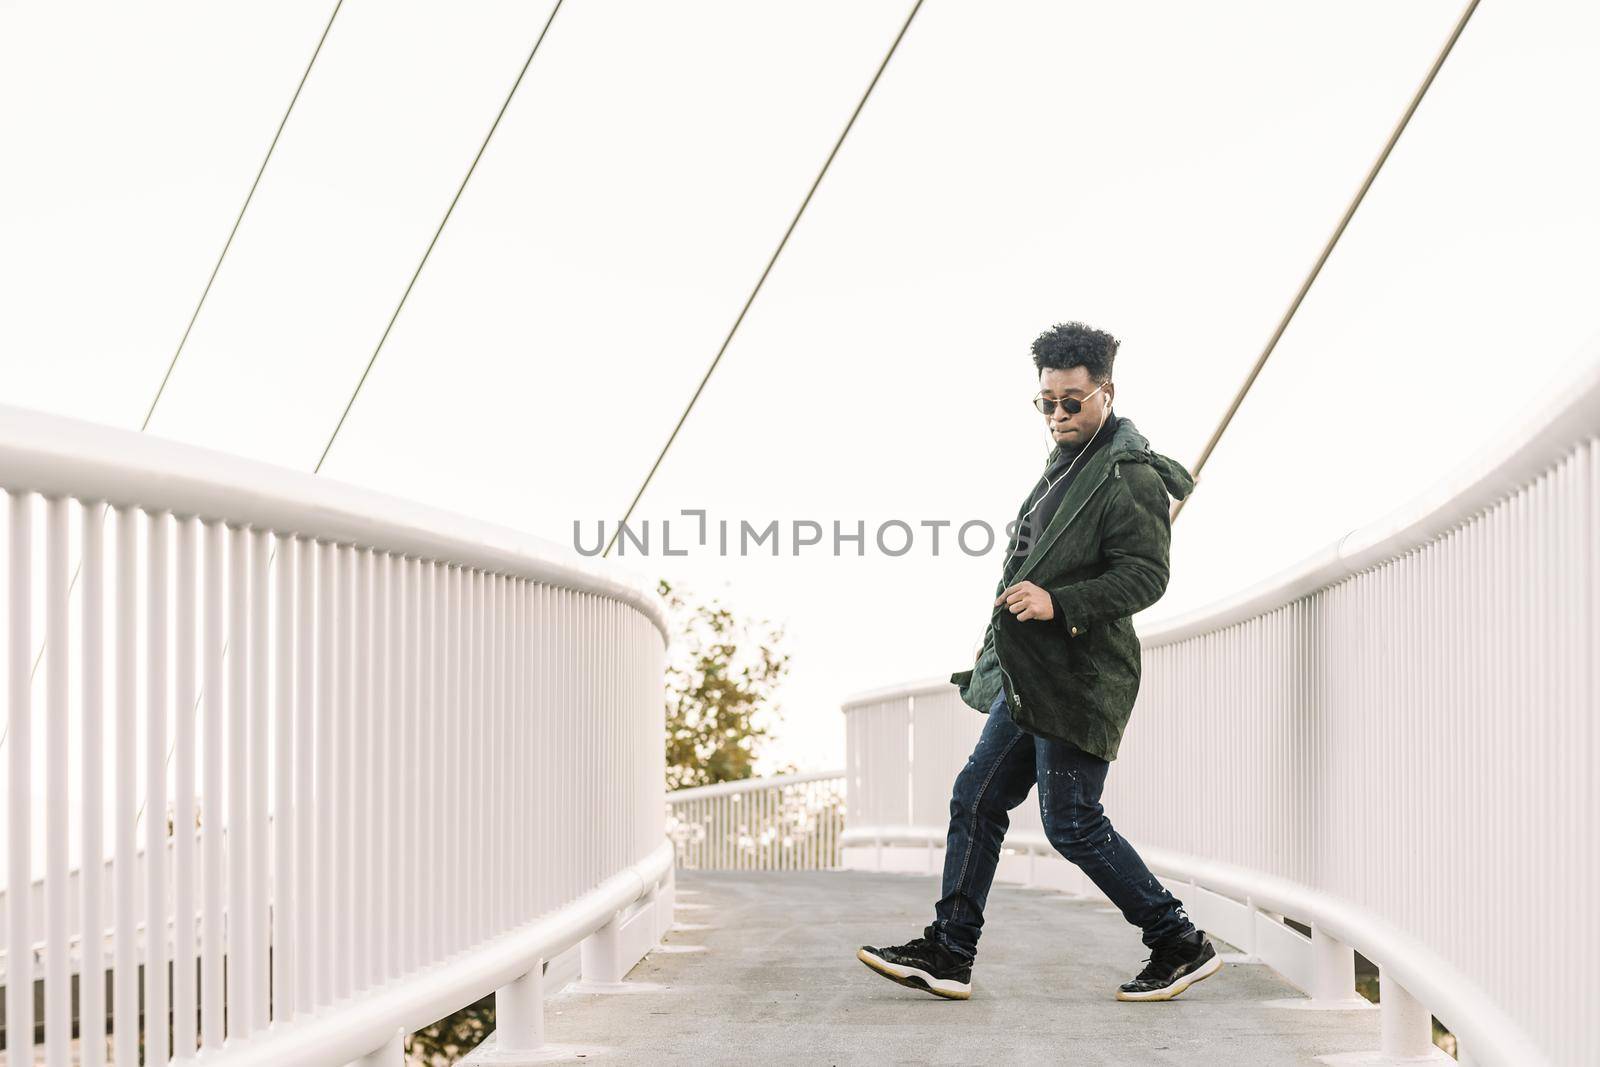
[922, 964]
[1173, 968]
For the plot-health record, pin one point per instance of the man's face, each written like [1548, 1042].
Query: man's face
[1074, 431]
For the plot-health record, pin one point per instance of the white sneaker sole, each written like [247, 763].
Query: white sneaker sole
[1209, 968]
[916, 977]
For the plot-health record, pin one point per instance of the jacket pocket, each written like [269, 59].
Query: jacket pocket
[1081, 658]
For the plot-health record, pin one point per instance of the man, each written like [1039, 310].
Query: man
[1057, 675]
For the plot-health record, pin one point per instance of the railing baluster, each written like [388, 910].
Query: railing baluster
[400, 748]
[415, 756]
[326, 903]
[155, 796]
[343, 808]
[453, 746]
[518, 759]
[184, 700]
[306, 903]
[495, 851]
[259, 547]
[240, 937]
[19, 773]
[91, 865]
[213, 809]
[285, 941]
[125, 1008]
[386, 828]
[543, 697]
[57, 900]
[368, 816]
[437, 730]
[476, 776]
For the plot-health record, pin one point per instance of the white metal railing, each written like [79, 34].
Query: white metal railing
[1394, 743]
[787, 822]
[425, 753]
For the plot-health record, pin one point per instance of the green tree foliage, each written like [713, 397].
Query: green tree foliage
[451, 1038]
[720, 682]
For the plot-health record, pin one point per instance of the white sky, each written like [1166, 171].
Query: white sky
[1165, 171]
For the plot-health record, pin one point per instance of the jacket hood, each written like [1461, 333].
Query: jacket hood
[1128, 445]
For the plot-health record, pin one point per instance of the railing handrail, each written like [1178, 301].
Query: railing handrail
[356, 1027]
[750, 785]
[1494, 1036]
[1546, 433]
[1316, 694]
[919, 687]
[56, 456]
[375, 672]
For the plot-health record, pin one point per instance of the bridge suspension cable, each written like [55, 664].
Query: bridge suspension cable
[762, 280]
[442, 223]
[240, 218]
[1327, 250]
[195, 315]
[272, 558]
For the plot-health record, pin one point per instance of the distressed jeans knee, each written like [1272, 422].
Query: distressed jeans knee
[1070, 783]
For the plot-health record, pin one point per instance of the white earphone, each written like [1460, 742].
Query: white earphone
[1105, 417]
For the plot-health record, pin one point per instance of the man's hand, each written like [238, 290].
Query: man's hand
[1027, 601]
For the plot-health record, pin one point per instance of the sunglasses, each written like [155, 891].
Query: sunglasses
[1072, 405]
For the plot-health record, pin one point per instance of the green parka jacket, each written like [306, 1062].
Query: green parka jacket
[1104, 556]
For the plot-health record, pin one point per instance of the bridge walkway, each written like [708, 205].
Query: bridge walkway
[778, 982]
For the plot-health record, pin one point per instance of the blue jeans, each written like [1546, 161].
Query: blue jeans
[1001, 770]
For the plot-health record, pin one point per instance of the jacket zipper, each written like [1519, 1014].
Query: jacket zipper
[1016, 696]
[1043, 551]
[1005, 678]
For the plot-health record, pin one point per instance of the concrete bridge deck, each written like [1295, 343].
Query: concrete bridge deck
[778, 982]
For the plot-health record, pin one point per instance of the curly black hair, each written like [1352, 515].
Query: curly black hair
[1072, 344]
